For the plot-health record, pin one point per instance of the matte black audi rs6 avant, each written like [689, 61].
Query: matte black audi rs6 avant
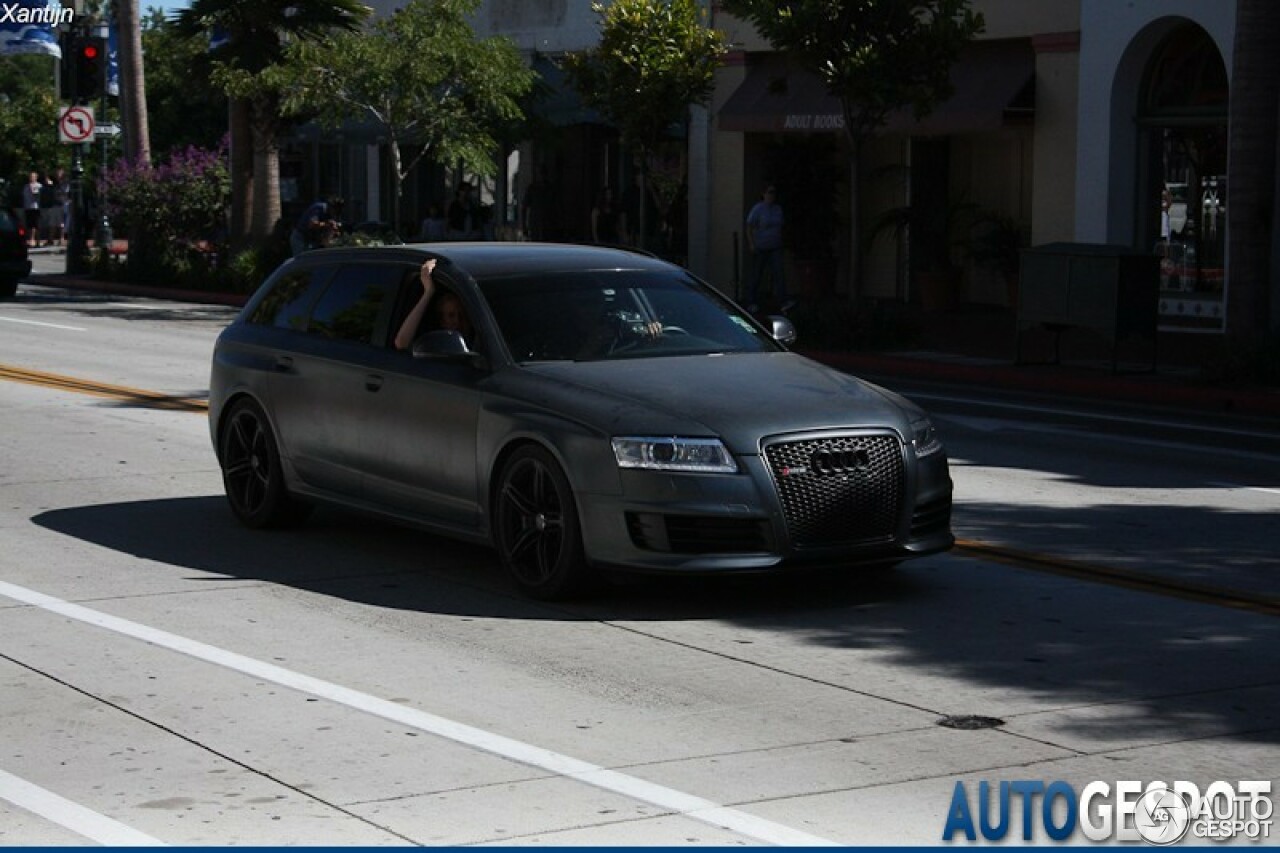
[600, 410]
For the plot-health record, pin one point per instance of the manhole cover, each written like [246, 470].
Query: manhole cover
[970, 722]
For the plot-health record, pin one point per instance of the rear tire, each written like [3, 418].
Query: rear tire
[8, 288]
[536, 525]
[252, 475]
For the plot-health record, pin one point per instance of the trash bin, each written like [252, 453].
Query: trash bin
[1112, 290]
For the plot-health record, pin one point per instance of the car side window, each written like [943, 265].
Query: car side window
[357, 302]
[290, 299]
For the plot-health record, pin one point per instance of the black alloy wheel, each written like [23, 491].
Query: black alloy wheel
[251, 472]
[537, 528]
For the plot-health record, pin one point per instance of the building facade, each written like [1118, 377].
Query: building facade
[1077, 121]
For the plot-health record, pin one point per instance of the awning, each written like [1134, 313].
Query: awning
[994, 84]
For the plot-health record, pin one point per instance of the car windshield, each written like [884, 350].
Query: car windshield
[616, 314]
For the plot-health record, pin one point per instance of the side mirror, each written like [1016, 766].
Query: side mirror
[784, 331]
[441, 343]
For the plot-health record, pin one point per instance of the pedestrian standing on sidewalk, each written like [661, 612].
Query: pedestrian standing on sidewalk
[50, 211]
[31, 208]
[764, 238]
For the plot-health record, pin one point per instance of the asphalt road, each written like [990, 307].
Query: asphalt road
[166, 676]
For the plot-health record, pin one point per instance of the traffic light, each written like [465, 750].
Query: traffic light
[90, 74]
[67, 75]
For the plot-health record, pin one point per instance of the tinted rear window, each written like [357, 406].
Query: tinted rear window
[355, 300]
[287, 304]
[7, 222]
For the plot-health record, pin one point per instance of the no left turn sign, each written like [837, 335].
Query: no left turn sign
[75, 124]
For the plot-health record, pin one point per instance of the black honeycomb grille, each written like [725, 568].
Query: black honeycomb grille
[839, 490]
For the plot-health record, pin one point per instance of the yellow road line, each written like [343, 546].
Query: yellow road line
[1115, 576]
[134, 396]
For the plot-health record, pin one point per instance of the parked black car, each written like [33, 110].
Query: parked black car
[605, 410]
[14, 263]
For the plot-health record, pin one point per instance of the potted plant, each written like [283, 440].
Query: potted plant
[939, 242]
[996, 241]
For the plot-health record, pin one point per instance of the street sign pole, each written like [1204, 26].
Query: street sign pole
[102, 236]
[77, 245]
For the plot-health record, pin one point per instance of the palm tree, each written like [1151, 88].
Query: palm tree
[252, 35]
[133, 92]
[1252, 206]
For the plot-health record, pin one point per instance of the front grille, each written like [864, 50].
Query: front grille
[839, 490]
[697, 534]
[930, 518]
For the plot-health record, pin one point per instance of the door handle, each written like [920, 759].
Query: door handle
[373, 382]
[284, 364]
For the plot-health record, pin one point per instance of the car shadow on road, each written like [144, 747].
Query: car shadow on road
[374, 562]
[1107, 663]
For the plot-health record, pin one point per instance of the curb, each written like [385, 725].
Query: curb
[206, 297]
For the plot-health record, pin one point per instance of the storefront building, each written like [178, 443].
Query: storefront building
[1084, 121]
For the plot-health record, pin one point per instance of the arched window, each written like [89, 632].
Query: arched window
[1183, 110]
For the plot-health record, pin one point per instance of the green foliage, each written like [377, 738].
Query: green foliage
[654, 59]
[876, 56]
[255, 32]
[420, 74]
[173, 210]
[247, 268]
[183, 107]
[28, 120]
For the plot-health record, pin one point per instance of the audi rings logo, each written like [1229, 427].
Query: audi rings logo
[825, 462]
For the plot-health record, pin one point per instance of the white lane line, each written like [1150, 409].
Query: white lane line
[72, 816]
[45, 325]
[669, 799]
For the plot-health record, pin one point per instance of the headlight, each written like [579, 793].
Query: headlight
[925, 439]
[674, 454]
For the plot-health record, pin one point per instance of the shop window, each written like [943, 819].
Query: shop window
[1184, 114]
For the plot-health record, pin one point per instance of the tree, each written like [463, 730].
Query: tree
[423, 77]
[28, 121]
[252, 36]
[185, 108]
[133, 87]
[655, 58]
[875, 56]
[1253, 174]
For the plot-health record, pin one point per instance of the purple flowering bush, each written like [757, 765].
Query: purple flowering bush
[173, 212]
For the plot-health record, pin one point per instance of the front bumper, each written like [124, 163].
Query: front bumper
[710, 523]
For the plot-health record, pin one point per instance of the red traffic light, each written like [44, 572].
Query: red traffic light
[90, 51]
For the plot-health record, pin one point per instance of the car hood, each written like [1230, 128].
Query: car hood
[739, 397]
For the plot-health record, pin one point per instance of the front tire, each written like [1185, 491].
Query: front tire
[537, 529]
[252, 475]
